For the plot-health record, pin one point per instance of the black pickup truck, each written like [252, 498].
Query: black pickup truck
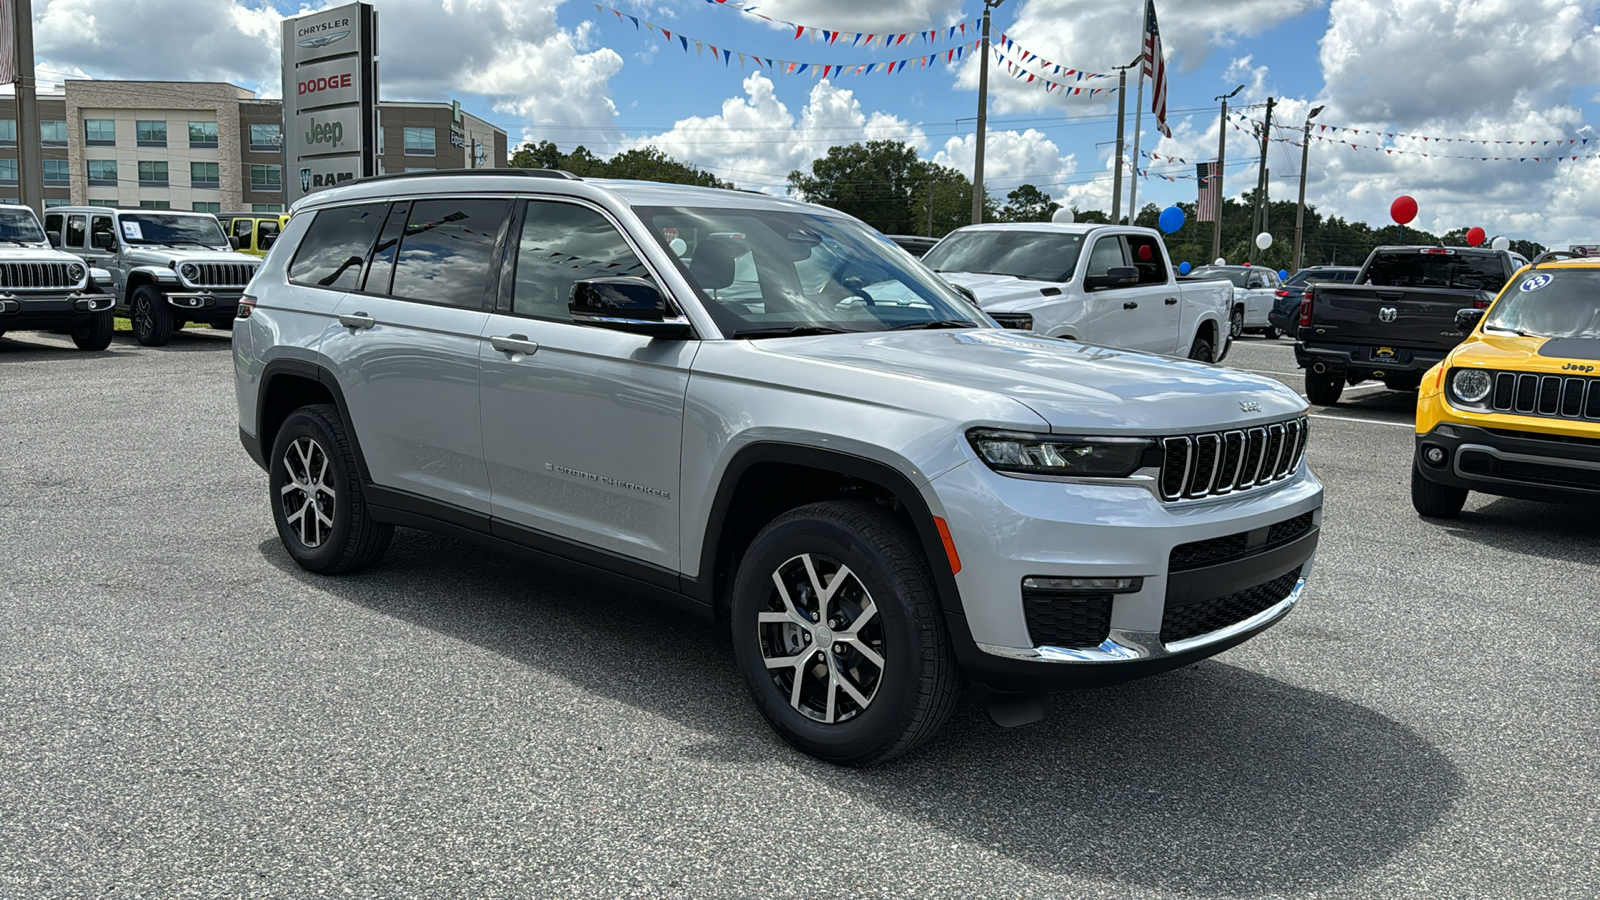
[1397, 319]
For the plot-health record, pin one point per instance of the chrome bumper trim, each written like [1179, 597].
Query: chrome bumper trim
[1127, 646]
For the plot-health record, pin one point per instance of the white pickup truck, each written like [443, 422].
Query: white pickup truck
[1101, 284]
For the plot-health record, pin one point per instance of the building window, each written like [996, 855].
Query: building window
[100, 132]
[57, 171]
[204, 175]
[212, 208]
[420, 142]
[266, 207]
[48, 202]
[102, 171]
[152, 174]
[150, 133]
[266, 138]
[421, 169]
[8, 132]
[53, 133]
[202, 135]
[155, 204]
[8, 171]
[266, 179]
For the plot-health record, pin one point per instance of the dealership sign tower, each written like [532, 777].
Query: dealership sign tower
[330, 98]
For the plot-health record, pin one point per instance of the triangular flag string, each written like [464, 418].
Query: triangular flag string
[829, 36]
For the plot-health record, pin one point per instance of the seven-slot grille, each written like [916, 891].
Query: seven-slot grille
[1210, 465]
[223, 275]
[39, 276]
[1550, 396]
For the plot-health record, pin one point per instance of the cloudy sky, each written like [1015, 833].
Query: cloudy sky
[1489, 78]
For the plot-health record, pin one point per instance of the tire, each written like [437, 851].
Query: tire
[177, 324]
[1433, 500]
[312, 462]
[1270, 333]
[908, 697]
[1324, 389]
[1201, 350]
[152, 317]
[1235, 324]
[95, 334]
[225, 325]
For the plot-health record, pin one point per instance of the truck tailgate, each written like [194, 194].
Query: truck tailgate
[1390, 316]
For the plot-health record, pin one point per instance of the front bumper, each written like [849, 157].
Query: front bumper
[1524, 464]
[1008, 529]
[24, 312]
[1362, 360]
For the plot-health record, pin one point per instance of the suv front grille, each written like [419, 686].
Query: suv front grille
[38, 276]
[1180, 623]
[221, 275]
[1211, 465]
[1546, 396]
[1067, 621]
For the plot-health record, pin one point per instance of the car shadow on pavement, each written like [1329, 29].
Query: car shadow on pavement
[197, 338]
[1555, 530]
[1211, 780]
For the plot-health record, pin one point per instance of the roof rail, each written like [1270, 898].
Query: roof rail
[524, 173]
[1557, 254]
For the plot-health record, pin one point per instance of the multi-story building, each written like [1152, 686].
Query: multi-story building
[208, 146]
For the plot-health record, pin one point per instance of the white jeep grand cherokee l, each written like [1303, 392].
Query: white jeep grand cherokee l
[762, 411]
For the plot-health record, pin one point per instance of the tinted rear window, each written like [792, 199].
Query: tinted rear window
[336, 245]
[447, 252]
[1457, 271]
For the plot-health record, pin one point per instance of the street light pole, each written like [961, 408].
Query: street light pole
[1122, 109]
[1222, 157]
[983, 116]
[1300, 208]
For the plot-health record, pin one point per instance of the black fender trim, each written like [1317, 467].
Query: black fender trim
[313, 372]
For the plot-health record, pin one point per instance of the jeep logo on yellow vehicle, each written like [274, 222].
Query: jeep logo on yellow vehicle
[1574, 367]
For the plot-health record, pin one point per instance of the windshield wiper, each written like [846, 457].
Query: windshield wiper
[790, 331]
[936, 323]
[176, 243]
[16, 241]
[1516, 331]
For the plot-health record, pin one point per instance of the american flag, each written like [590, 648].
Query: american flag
[1155, 68]
[1206, 208]
[8, 44]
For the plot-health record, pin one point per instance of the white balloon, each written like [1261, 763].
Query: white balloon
[1501, 243]
[1263, 240]
[1220, 262]
[678, 246]
[1062, 215]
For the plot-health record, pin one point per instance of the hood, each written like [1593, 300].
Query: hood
[1556, 356]
[161, 256]
[1075, 387]
[37, 253]
[1003, 291]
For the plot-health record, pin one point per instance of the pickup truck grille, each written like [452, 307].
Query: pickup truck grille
[222, 275]
[38, 276]
[1547, 396]
[1194, 466]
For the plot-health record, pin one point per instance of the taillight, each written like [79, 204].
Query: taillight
[1480, 304]
[1282, 293]
[247, 305]
[1305, 310]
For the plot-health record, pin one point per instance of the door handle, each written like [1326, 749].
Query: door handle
[514, 343]
[1172, 301]
[357, 320]
[1130, 305]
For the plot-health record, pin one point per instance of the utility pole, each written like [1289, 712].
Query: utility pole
[30, 171]
[983, 116]
[1138, 125]
[1122, 113]
[1222, 158]
[1300, 208]
[1256, 227]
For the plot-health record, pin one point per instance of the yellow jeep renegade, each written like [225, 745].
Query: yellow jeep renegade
[1514, 410]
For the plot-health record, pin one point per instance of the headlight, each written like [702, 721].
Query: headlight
[1471, 385]
[190, 271]
[75, 273]
[1083, 457]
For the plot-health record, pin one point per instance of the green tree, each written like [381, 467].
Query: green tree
[877, 182]
[641, 163]
[1027, 204]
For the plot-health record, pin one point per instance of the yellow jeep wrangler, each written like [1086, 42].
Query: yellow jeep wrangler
[252, 233]
[1514, 409]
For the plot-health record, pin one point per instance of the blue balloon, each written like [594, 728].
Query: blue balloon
[1171, 219]
[1283, 273]
[1183, 268]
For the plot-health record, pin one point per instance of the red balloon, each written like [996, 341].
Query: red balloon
[1475, 236]
[1403, 209]
[1144, 252]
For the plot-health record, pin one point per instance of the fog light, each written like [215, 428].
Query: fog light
[1082, 585]
[1434, 455]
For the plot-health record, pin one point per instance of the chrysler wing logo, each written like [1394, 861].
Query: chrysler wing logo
[1249, 406]
[1387, 314]
[323, 40]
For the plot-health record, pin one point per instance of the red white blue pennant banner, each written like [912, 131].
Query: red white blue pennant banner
[1026, 77]
[1557, 144]
[859, 38]
[1024, 55]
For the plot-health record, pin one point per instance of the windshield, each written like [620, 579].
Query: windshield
[1455, 270]
[1307, 276]
[16, 225]
[150, 228]
[1237, 276]
[1559, 303]
[1035, 255]
[768, 273]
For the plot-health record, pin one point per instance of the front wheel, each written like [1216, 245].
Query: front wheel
[152, 317]
[95, 334]
[317, 500]
[1235, 324]
[1324, 389]
[839, 633]
[1434, 500]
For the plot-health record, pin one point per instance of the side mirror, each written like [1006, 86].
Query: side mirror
[1116, 276]
[233, 241]
[104, 240]
[628, 304]
[55, 239]
[1468, 319]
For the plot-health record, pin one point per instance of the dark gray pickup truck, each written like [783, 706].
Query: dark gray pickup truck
[1397, 319]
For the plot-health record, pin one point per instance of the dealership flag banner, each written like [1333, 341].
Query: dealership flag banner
[8, 43]
[1206, 208]
[1155, 68]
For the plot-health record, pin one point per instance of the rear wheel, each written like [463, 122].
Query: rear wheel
[1324, 389]
[1434, 500]
[1235, 323]
[839, 633]
[317, 500]
[1201, 349]
[95, 334]
[152, 317]
[1270, 333]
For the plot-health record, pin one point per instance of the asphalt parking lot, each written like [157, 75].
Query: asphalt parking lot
[183, 712]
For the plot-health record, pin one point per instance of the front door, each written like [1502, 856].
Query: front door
[1126, 317]
[582, 426]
